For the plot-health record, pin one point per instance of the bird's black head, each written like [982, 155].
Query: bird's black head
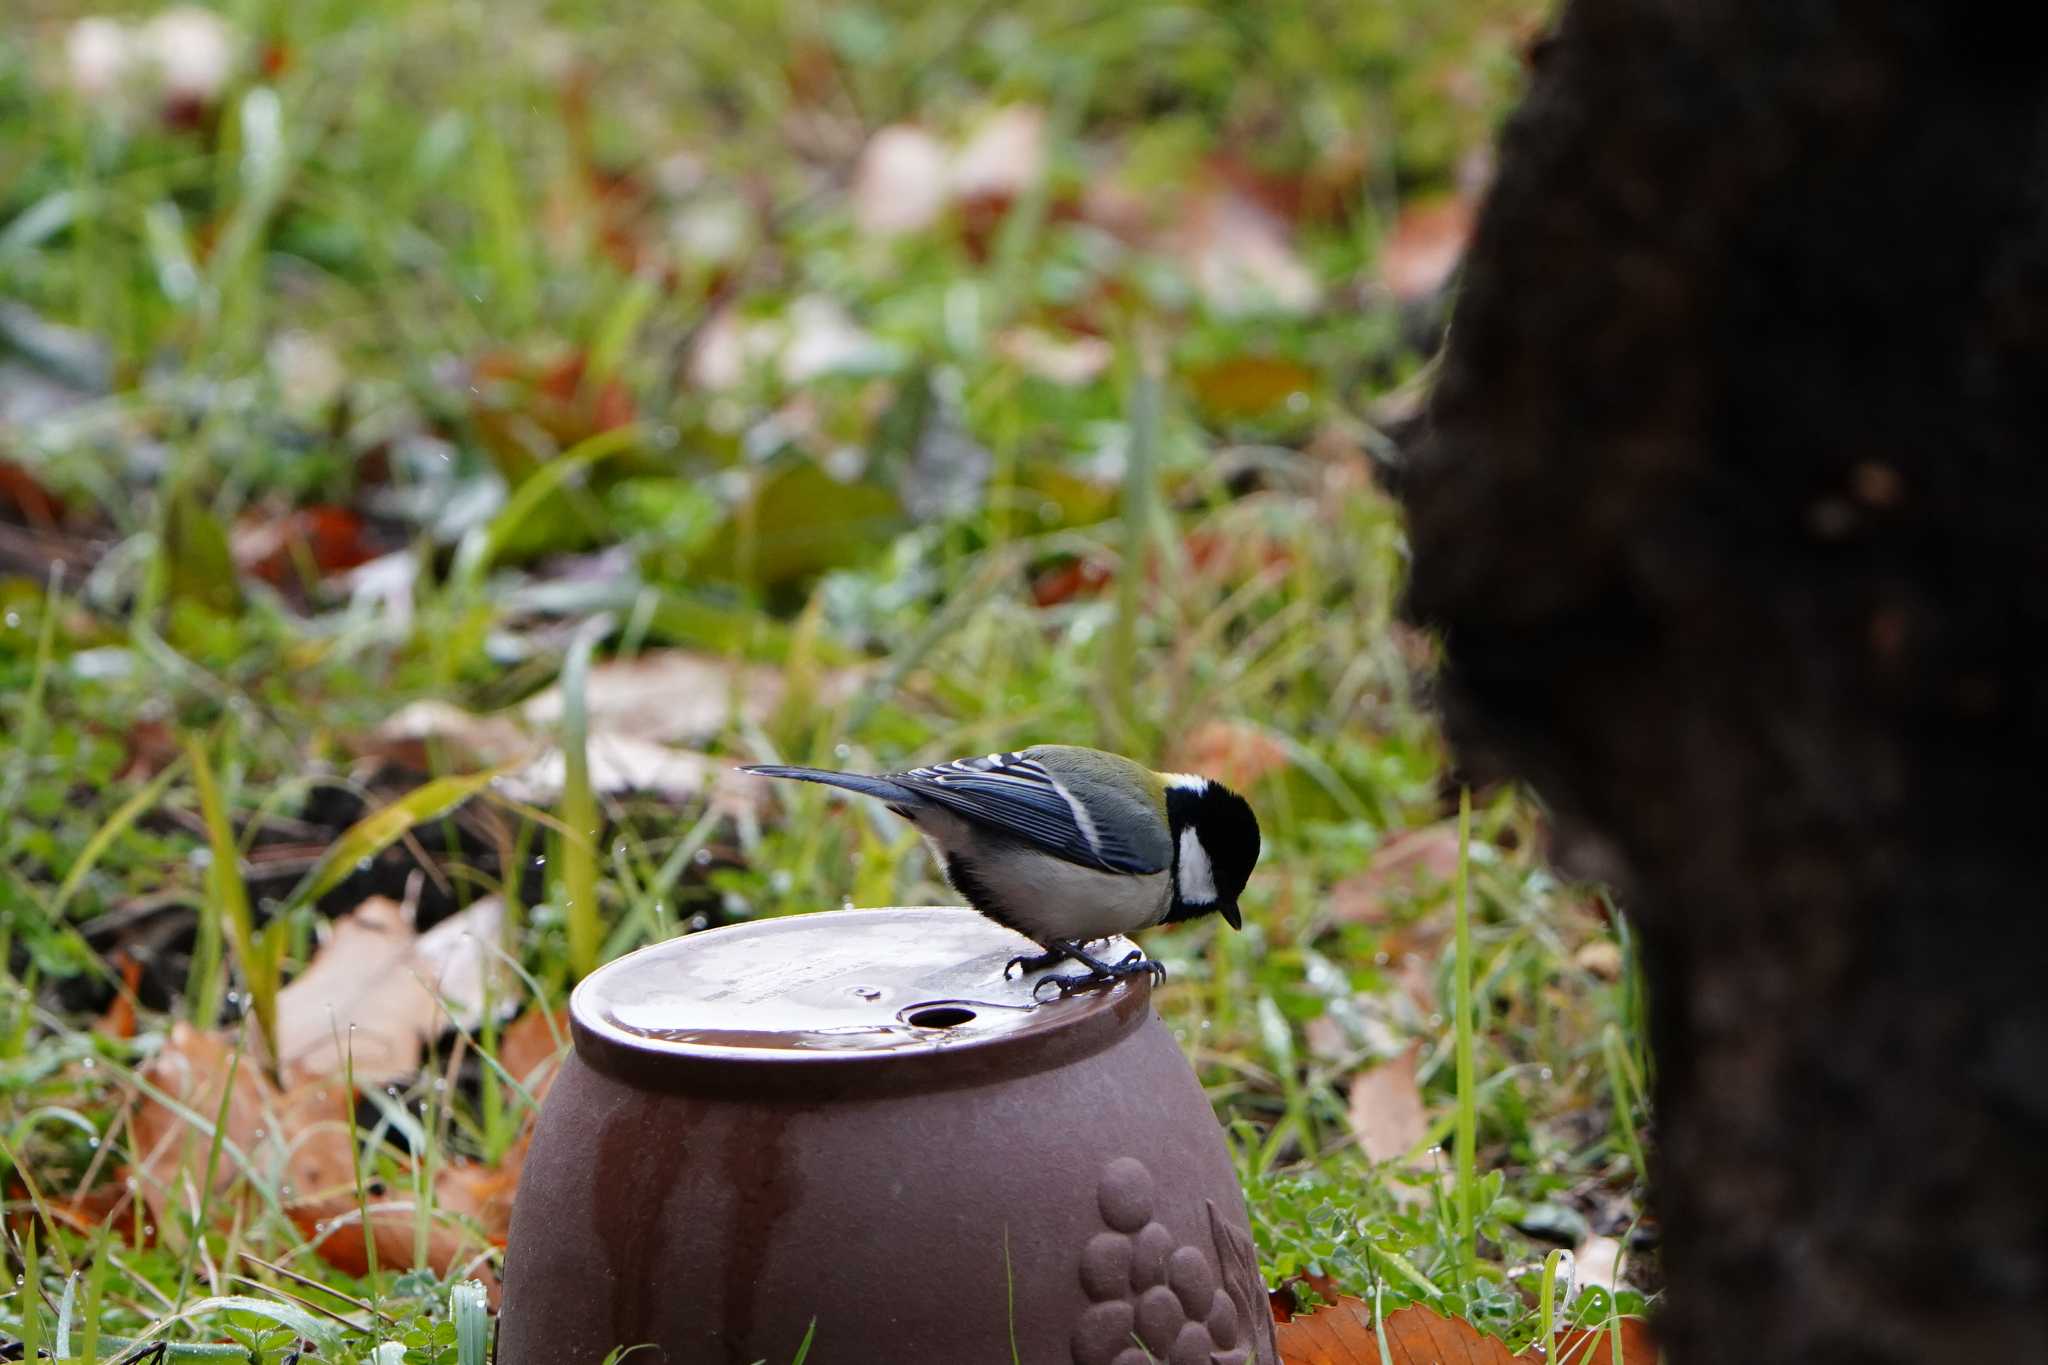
[1215, 845]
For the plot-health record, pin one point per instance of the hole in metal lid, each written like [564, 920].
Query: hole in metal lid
[939, 1016]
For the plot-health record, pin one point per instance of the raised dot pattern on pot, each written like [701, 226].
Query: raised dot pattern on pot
[1149, 1298]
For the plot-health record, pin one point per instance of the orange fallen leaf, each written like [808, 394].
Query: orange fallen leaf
[119, 1020]
[483, 1193]
[538, 1038]
[1342, 1334]
[1593, 1346]
[192, 1071]
[1386, 1108]
[335, 1230]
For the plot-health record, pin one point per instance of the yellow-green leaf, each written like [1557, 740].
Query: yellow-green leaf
[378, 830]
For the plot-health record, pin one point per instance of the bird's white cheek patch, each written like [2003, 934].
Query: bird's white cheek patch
[1197, 878]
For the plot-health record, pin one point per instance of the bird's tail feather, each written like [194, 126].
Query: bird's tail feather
[881, 787]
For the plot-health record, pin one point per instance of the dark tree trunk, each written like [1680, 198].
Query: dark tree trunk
[1732, 510]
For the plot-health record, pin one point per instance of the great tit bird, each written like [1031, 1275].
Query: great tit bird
[1067, 845]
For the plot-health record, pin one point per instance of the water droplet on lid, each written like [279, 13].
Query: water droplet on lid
[842, 751]
[703, 857]
[1381, 959]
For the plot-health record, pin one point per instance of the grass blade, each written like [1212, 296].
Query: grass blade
[474, 557]
[1466, 1133]
[31, 1296]
[378, 830]
[116, 825]
[470, 1310]
[578, 842]
[227, 897]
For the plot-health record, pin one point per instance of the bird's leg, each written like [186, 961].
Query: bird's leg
[1035, 962]
[1058, 950]
[1134, 963]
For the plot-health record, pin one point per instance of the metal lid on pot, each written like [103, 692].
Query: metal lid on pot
[850, 988]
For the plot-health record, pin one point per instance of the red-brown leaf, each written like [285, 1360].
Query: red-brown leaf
[1342, 1334]
[22, 494]
[1593, 1347]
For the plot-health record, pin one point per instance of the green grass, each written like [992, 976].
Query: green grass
[357, 282]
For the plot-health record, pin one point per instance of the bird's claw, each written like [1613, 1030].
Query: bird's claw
[1032, 962]
[1134, 963]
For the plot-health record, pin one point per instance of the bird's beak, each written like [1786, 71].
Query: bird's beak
[1230, 916]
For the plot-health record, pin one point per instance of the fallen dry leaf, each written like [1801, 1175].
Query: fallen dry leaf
[301, 1142]
[1415, 860]
[1583, 1346]
[670, 696]
[192, 1070]
[1003, 157]
[1342, 1334]
[1070, 360]
[530, 1050]
[1250, 386]
[535, 1039]
[1425, 246]
[376, 993]
[275, 547]
[1601, 957]
[335, 1230]
[900, 184]
[638, 710]
[1387, 1114]
[1598, 1262]
[484, 1194]
[1241, 256]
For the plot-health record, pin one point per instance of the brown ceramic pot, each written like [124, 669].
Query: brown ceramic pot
[851, 1119]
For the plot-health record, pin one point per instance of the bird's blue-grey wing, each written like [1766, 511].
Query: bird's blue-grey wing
[1015, 794]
